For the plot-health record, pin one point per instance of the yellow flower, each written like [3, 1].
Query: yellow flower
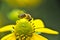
[23, 3]
[26, 30]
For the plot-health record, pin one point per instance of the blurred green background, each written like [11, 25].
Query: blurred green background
[48, 11]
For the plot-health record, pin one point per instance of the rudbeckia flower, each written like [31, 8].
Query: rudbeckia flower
[26, 30]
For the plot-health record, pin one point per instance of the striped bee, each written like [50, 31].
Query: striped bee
[27, 16]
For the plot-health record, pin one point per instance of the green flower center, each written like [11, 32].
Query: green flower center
[24, 28]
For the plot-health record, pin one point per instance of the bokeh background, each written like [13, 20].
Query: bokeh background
[47, 10]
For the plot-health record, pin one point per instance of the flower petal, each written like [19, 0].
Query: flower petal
[38, 37]
[38, 23]
[9, 37]
[6, 28]
[46, 30]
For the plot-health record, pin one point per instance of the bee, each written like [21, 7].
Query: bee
[24, 15]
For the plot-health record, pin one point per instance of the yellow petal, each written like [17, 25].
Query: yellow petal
[6, 28]
[38, 37]
[38, 23]
[46, 30]
[9, 37]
